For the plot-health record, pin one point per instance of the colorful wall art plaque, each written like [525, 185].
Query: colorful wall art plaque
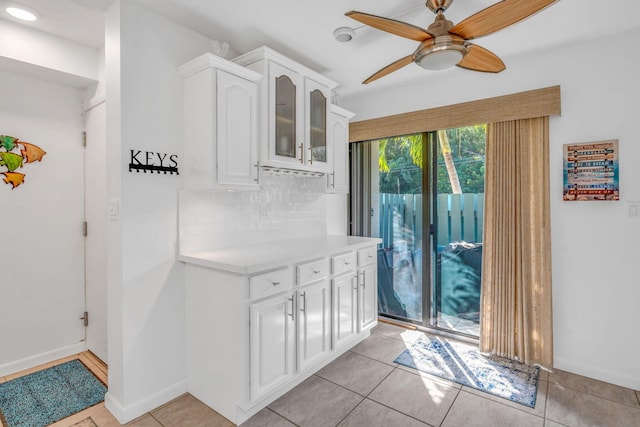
[13, 155]
[591, 171]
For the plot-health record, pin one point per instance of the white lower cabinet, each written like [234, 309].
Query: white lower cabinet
[367, 288]
[251, 338]
[272, 344]
[314, 323]
[345, 308]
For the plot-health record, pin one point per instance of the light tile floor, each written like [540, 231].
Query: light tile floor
[364, 388]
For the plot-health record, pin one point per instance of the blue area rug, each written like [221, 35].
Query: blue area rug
[463, 364]
[46, 396]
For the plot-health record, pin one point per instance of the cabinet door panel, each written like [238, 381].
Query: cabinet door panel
[345, 308]
[237, 134]
[368, 296]
[313, 323]
[318, 153]
[285, 125]
[272, 344]
[338, 180]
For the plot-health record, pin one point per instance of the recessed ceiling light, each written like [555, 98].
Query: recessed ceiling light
[22, 13]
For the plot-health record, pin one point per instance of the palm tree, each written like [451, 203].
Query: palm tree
[445, 148]
[415, 143]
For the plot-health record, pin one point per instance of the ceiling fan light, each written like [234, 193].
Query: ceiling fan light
[440, 53]
[440, 59]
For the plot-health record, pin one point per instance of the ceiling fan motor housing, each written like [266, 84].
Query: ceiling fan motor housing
[438, 5]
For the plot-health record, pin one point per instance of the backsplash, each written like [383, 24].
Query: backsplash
[286, 207]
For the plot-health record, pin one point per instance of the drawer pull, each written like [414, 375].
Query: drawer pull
[316, 271]
[304, 302]
[291, 314]
[275, 283]
[347, 263]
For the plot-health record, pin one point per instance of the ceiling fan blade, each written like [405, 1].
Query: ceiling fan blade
[392, 26]
[394, 66]
[497, 17]
[481, 59]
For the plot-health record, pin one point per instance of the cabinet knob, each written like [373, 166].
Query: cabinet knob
[275, 283]
[316, 271]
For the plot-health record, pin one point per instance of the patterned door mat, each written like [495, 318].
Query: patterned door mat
[47, 396]
[464, 364]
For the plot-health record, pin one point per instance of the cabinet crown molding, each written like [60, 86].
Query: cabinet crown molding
[209, 60]
[341, 111]
[265, 52]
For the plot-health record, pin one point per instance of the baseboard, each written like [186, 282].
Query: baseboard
[620, 379]
[42, 358]
[131, 412]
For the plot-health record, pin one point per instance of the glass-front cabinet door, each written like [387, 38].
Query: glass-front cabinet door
[298, 117]
[318, 153]
[285, 117]
[318, 127]
[285, 142]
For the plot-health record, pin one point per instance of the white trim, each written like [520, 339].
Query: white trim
[125, 414]
[39, 359]
[209, 60]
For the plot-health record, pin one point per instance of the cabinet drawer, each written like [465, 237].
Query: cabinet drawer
[312, 271]
[367, 256]
[269, 283]
[342, 263]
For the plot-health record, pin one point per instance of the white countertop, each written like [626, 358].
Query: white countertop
[265, 256]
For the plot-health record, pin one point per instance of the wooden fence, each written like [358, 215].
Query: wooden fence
[459, 217]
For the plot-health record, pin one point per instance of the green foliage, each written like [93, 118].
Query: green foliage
[468, 151]
[401, 160]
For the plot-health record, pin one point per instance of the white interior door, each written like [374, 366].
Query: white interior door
[95, 241]
[41, 250]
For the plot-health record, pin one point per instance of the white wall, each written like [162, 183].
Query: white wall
[147, 361]
[595, 293]
[31, 52]
[41, 285]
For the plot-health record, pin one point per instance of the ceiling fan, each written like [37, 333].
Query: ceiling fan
[444, 44]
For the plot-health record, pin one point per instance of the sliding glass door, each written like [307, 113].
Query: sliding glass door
[423, 196]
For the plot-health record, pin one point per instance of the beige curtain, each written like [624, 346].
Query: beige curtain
[516, 315]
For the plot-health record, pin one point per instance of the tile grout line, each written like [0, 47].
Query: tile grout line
[596, 395]
[396, 367]
[453, 402]
[508, 406]
[157, 420]
[280, 415]
[352, 409]
[546, 400]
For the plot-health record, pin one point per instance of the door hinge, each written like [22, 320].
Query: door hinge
[84, 228]
[84, 138]
[85, 318]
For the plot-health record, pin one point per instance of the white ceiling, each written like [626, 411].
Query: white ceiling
[302, 29]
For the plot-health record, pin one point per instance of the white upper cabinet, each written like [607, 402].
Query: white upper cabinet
[295, 113]
[338, 178]
[221, 125]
